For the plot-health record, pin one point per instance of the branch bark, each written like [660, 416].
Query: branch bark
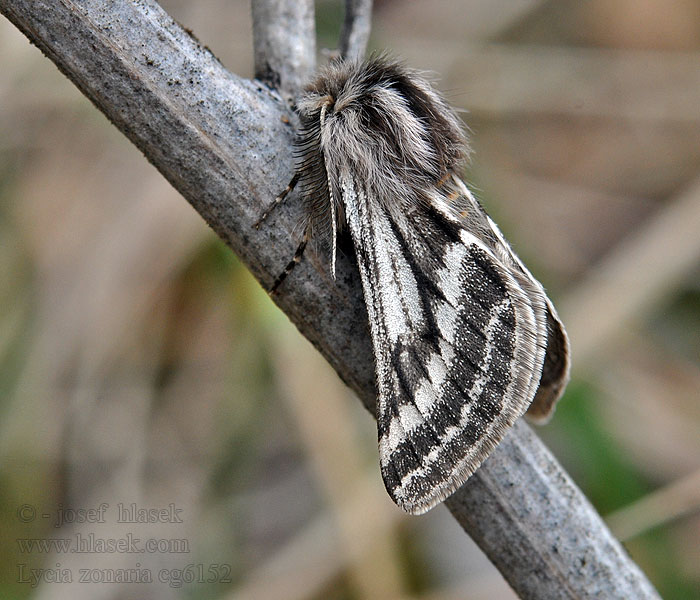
[225, 144]
[284, 45]
[356, 28]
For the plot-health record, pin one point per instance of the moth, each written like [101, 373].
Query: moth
[465, 339]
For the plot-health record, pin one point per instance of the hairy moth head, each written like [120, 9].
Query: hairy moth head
[381, 121]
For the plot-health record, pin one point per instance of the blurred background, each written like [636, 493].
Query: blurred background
[142, 367]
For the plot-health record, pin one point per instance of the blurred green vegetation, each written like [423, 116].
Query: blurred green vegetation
[597, 461]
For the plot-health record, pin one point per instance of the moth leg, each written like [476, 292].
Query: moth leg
[277, 200]
[292, 263]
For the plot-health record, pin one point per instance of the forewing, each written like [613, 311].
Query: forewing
[459, 345]
[555, 369]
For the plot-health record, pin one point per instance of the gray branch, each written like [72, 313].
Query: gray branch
[284, 43]
[225, 144]
[356, 28]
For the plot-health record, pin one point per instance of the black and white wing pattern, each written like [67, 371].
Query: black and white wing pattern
[459, 344]
[465, 339]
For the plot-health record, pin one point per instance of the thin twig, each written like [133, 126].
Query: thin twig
[356, 28]
[225, 144]
[283, 41]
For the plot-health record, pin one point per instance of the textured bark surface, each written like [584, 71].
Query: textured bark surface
[356, 28]
[284, 49]
[225, 144]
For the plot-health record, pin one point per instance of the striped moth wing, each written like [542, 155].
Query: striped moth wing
[459, 345]
[465, 339]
